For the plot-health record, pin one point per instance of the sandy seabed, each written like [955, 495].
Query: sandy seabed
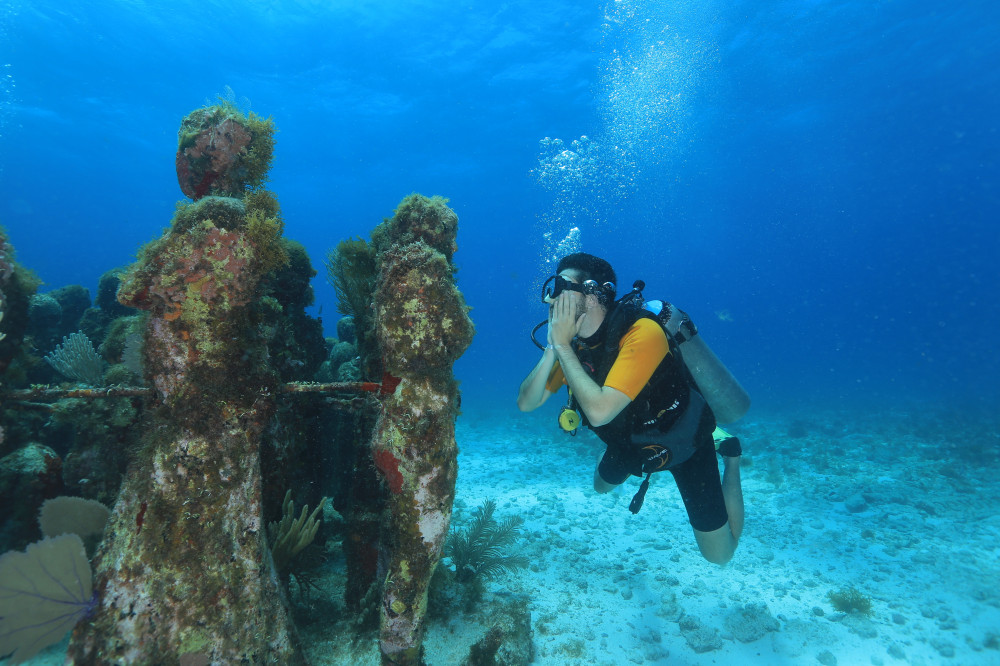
[901, 506]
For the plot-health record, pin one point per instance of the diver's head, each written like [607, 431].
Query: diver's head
[591, 277]
[593, 274]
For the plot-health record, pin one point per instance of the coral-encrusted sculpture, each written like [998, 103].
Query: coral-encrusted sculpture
[222, 151]
[197, 281]
[184, 573]
[423, 326]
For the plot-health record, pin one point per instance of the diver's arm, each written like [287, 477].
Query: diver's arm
[601, 404]
[533, 393]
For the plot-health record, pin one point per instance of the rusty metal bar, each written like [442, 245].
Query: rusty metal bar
[387, 386]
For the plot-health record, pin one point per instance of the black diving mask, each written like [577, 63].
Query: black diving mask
[559, 284]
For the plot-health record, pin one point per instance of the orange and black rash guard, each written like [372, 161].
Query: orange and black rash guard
[640, 351]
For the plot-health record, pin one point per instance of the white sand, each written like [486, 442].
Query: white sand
[607, 587]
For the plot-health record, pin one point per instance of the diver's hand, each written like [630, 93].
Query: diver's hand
[564, 323]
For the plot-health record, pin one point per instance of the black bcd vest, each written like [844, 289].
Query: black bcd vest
[669, 412]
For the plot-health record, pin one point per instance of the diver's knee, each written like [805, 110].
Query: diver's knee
[717, 546]
[720, 558]
[602, 486]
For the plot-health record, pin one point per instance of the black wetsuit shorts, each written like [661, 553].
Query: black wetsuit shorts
[697, 480]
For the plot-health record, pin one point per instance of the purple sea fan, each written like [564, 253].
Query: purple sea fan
[44, 592]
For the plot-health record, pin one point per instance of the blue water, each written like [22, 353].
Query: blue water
[816, 183]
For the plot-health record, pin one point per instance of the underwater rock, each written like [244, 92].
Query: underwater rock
[6, 260]
[119, 332]
[483, 652]
[345, 329]
[291, 284]
[44, 317]
[297, 348]
[340, 363]
[342, 352]
[28, 477]
[856, 503]
[508, 641]
[100, 320]
[17, 285]
[94, 470]
[94, 323]
[826, 658]
[74, 300]
[349, 371]
[750, 623]
[447, 597]
[107, 294]
[6, 272]
[325, 373]
[699, 637]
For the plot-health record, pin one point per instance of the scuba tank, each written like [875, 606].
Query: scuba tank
[728, 400]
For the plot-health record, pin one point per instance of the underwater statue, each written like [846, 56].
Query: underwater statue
[184, 574]
[423, 326]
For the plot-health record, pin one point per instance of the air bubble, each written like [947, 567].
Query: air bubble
[650, 73]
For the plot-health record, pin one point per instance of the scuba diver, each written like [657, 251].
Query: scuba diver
[648, 386]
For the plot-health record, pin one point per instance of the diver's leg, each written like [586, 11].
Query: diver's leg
[732, 491]
[714, 502]
[718, 545]
[602, 486]
[608, 463]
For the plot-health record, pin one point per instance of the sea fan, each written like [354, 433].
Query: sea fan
[44, 592]
[479, 550]
[77, 359]
[74, 515]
